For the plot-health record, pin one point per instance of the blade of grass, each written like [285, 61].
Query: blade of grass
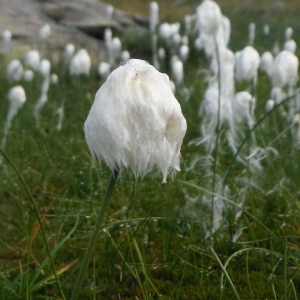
[143, 267]
[225, 273]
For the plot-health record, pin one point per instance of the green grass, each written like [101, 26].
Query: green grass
[153, 244]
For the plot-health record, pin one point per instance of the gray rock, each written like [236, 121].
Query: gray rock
[81, 22]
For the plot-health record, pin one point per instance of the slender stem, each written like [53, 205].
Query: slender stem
[39, 220]
[217, 140]
[95, 232]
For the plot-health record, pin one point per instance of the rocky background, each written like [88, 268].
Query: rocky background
[81, 22]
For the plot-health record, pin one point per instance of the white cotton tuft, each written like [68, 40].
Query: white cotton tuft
[6, 36]
[247, 63]
[266, 63]
[104, 69]
[165, 31]
[226, 25]
[17, 98]
[15, 70]
[154, 15]
[107, 36]
[184, 52]
[266, 29]
[28, 75]
[32, 59]
[290, 45]
[45, 67]
[285, 69]
[80, 63]
[54, 78]
[109, 12]
[269, 105]
[135, 121]
[177, 69]
[45, 32]
[243, 106]
[69, 52]
[125, 55]
[209, 17]
[185, 40]
[251, 33]
[161, 54]
[288, 33]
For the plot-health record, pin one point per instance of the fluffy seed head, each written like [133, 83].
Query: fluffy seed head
[16, 97]
[32, 59]
[135, 121]
[247, 63]
[80, 63]
[45, 32]
[15, 70]
[209, 17]
[285, 69]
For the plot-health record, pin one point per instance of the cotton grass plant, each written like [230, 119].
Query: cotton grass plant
[157, 240]
[120, 130]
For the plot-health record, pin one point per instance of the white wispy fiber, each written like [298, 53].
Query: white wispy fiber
[135, 121]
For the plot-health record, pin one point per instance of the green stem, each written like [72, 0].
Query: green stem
[95, 232]
[39, 219]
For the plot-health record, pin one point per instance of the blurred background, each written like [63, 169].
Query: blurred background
[172, 10]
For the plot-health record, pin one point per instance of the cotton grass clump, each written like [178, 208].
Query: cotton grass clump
[135, 121]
